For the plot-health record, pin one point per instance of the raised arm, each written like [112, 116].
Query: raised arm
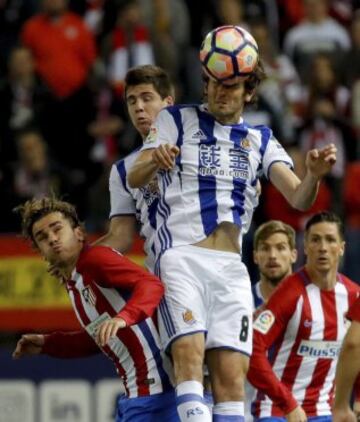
[121, 233]
[149, 162]
[301, 194]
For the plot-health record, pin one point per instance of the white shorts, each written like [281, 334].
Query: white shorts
[206, 291]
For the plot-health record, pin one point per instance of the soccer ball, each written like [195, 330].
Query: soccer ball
[229, 52]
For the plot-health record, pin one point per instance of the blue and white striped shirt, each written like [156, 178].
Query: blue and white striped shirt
[140, 202]
[215, 176]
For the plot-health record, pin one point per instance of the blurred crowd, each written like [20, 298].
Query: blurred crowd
[63, 120]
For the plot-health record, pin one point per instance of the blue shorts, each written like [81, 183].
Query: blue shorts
[327, 418]
[155, 408]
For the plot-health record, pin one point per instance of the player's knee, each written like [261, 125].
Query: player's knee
[228, 387]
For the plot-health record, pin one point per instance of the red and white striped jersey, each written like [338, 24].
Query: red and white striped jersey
[297, 340]
[105, 284]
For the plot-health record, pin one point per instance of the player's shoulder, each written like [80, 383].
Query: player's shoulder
[259, 133]
[93, 255]
[128, 159]
[291, 287]
[350, 285]
[259, 128]
[175, 109]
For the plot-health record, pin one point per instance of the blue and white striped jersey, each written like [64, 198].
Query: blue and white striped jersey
[140, 202]
[215, 176]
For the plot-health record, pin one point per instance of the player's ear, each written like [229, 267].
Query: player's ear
[294, 255]
[80, 234]
[249, 96]
[255, 256]
[342, 250]
[169, 100]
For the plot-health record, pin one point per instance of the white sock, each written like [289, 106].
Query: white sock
[190, 402]
[228, 411]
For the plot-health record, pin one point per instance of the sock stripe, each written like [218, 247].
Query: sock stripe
[184, 398]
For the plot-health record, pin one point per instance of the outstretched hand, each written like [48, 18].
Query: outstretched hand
[164, 156]
[109, 329]
[319, 162]
[29, 344]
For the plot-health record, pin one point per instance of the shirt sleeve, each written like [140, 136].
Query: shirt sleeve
[121, 200]
[354, 312]
[113, 270]
[274, 152]
[68, 345]
[269, 326]
[163, 131]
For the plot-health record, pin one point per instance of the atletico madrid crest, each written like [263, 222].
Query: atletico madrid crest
[89, 295]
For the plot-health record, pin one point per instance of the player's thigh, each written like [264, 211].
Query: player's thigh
[230, 316]
[183, 310]
[188, 346]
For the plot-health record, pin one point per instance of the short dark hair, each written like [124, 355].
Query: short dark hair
[326, 217]
[149, 74]
[271, 227]
[35, 209]
[254, 79]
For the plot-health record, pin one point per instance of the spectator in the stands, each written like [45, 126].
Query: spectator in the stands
[13, 14]
[327, 120]
[129, 43]
[22, 100]
[33, 174]
[351, 65]
[64, 52]
[316, 33]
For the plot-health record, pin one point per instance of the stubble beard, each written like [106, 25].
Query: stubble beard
[274, 281]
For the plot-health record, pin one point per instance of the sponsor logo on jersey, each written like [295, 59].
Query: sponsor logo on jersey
[264, 321]
[308, 323]
[93, 327]
[89, 295]
[319, 349]
[211, 162]
[151, 136]
[188, 317]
